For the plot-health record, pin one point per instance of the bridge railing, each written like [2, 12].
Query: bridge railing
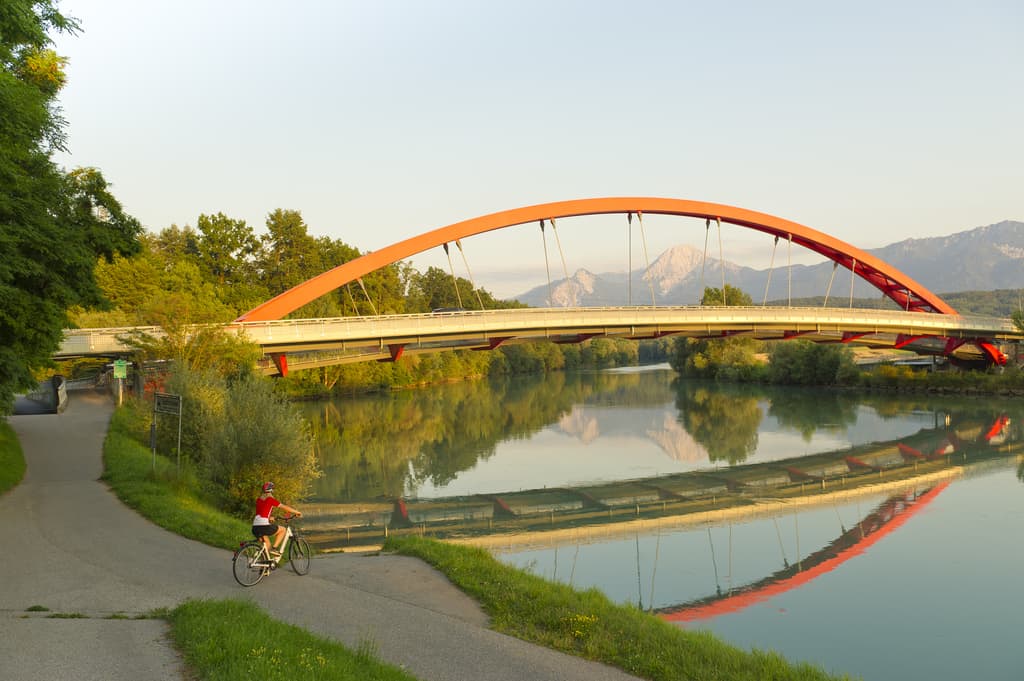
[538, 321]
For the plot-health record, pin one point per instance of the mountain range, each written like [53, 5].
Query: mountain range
[982, 259]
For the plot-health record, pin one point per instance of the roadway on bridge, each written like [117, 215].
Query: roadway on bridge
[72, 547]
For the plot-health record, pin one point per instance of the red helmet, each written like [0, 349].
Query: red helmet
[268, 487]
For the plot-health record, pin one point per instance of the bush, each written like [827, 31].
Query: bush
[259, 436]
[238, 434]
[801, 362]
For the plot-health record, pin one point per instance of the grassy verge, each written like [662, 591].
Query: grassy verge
[228, 640]
[160, 495]
[12, 461]
[587, 624]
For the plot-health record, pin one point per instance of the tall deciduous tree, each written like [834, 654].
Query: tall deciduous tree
[52, 226]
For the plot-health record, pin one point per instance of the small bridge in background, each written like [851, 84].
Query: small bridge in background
[923, 322]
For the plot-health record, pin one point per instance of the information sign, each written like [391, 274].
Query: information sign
[167, 404]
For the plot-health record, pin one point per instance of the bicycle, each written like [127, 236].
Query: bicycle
[252, 562]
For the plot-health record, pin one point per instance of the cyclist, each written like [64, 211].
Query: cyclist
[263, 526]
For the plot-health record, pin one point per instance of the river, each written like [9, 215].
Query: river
[876, 535]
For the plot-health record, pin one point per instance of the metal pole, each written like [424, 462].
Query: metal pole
[180, 410]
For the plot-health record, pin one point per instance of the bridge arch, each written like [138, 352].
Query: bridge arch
[906, 292]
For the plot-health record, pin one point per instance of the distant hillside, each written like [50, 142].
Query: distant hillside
[987, 258]
[1000, 303]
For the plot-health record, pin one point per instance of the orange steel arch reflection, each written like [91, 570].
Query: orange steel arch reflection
[884, 520]
[906, 292]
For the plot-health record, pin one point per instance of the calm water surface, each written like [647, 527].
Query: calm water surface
[910, 584]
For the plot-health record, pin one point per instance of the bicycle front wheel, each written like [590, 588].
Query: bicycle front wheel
[248, 565]
[298, 555]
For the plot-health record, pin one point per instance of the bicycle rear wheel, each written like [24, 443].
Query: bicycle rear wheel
[248, 564]
[298, 555]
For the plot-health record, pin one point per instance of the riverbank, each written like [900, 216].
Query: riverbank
[518, 603]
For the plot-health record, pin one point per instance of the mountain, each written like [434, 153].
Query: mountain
[981, 259]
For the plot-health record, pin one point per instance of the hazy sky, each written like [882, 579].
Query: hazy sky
[872, 121]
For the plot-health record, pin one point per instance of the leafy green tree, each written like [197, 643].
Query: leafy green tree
[801, 362]
[225, 250]
[733, 358]
[289, 255]
[52, 226]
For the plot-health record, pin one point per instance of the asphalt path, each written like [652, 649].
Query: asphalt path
[70, 546]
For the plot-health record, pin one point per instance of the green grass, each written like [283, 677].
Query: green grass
[229, 639]
[220, 641]
[160, 496]
[587, 624]
[12, 461]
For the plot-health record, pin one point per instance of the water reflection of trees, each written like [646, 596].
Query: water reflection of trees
[805, 411]
[723, 419]
[379, 446]
[386, 445]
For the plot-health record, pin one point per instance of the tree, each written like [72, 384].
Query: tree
[727, 358]
[289, 255]
[52, 226]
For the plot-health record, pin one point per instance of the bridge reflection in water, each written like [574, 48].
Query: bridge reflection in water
[520, 518]
[887, 517]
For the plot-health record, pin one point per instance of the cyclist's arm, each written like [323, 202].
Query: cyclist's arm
[289, 509]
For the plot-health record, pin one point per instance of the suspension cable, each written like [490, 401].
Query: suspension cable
[355, 308]
[789, 255]
[654, 570]
[835, 266]
[771, 266]
[565, 270]
[455, 282]
[368, 298]
[629, 264]
[782, 549]
[547, 266]
[721, 259]
[704, 262]
[853, 273]
[458, 243]
[714, 563]
[647, 261]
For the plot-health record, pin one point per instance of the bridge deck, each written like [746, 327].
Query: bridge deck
[353, 339]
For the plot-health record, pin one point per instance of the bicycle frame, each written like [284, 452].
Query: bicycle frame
[251, 562]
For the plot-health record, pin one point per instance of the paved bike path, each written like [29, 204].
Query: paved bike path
[69, 545]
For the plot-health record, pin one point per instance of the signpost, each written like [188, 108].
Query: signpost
[166, 403]
[120, 373]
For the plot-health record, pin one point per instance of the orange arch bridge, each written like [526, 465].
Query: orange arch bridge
[907, 293]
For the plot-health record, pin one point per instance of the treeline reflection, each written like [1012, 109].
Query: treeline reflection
[387, 446]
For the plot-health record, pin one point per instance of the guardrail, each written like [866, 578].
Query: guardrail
[535, 323]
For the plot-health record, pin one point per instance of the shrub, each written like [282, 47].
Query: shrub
[259, 436]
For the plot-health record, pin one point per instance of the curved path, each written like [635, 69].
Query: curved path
[69, 545]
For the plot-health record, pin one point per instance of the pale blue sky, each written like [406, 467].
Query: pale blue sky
[872, 121]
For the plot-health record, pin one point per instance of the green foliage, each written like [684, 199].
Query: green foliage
[153, 487]
[233, 639]
[435, 289]
[12, 461]
[801, 362]
[258, 436]
[587, 624]
[52, 226]
[733, 359]
[238, 434]
[734, 297]
[197, 349]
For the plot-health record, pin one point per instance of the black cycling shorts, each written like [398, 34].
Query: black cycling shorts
[264, 530]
